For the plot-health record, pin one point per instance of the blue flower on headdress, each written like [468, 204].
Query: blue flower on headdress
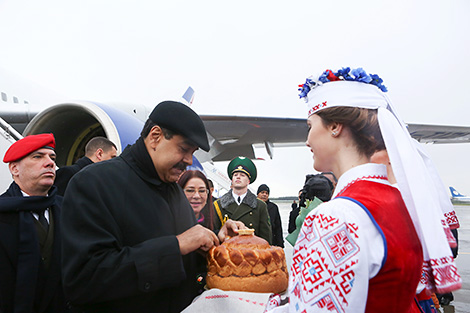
[344, 73]
[377, 81]
[358, 75]
[361, 76]
[305, 88]
[324, 77]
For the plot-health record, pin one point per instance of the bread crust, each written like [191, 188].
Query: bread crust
[247, 263]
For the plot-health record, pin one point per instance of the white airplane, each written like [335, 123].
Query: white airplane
[27, 109]
[457, 197]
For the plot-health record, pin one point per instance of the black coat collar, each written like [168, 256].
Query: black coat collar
[139, 159]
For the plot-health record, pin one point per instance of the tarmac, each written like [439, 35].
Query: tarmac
[461, 303]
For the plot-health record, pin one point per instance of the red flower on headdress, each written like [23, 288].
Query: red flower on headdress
[331, 76]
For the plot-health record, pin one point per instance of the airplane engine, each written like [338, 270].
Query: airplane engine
[74, 124]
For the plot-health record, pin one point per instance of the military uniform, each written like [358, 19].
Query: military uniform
[252, 212]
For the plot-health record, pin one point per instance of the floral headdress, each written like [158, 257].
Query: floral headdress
[358, 75]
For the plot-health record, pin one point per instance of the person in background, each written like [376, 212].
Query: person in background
[317, 189]
[360, 252]
[240, 204]
[30, 232]
[211, 189]
[196, 187]
[131, 238]
[293, 214]
[273, 210]
[96, 150]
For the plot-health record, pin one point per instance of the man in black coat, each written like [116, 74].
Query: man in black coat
[130, 234]
[30, 278]
[96, 150]
[273, 210]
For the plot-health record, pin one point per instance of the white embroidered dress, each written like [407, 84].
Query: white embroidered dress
[338, 250]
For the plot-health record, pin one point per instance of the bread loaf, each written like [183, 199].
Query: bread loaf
[247, 263]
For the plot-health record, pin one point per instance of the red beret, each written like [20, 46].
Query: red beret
[28, 144]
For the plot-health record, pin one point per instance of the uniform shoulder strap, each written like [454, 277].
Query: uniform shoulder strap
[219, 212]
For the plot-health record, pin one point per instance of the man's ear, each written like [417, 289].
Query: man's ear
[99, 154]
[154, 137]
[13, 167]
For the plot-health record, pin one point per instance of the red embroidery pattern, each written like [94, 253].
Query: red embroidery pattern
[344, 281]
[452, 220]
[323, 265]
[307, 233]
[223, 296]
[217, 297]
[347, 281]
[450, 237]
[381, 177]
[353, 228]
[314, 271]
[325, 222]
[296, 263]
[444, 273]
[340, 245]
[327, 302]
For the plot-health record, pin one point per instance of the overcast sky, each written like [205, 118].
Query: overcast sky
[247, 58]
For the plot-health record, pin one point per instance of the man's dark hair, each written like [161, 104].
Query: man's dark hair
[316, 186]
[149, 124]
[97, 143]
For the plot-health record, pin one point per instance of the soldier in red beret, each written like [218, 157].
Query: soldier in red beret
[29, 230]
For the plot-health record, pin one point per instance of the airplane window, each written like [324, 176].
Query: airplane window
[4, 96]
[26, 102]
[15, 99]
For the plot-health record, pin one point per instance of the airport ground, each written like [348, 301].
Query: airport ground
[461, 303]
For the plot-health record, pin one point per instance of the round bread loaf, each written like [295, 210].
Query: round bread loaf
[247, 263]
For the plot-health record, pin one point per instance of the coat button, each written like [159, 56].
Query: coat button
[147, 285]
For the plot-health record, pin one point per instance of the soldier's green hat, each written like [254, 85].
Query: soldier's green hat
[244, 165]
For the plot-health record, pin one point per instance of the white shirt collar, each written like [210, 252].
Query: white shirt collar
[241, 197]
[369, 171]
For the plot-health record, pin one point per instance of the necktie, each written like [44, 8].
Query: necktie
[239, 200]
[42, 219]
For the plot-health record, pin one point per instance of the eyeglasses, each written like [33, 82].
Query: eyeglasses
[192, 191]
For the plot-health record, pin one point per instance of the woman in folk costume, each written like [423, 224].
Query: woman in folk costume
[363, 251]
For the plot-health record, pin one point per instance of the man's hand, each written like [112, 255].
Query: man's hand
[197, 237]
[230, 229]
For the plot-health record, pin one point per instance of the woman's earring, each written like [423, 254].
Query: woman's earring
[333, 134]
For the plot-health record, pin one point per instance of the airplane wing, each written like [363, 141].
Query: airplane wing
[439, 133]
[236, 135]
[231, 136]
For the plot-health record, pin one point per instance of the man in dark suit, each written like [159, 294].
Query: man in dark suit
[273, 210]
[29, 230]
[96, 150]
[131, 241]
